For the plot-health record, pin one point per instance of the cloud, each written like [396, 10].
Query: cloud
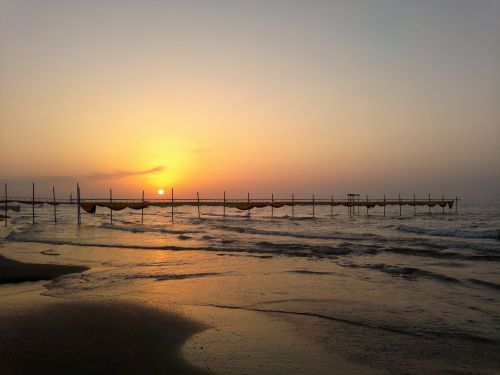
[203, 150]
[121, 174]
[91, 176]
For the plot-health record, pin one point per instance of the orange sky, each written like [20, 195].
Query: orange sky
[259, 96]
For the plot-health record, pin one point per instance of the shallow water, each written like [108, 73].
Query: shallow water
[434, 276]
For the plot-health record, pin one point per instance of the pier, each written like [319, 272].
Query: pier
[353, 203]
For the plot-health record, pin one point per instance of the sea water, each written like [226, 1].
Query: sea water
[425, 275]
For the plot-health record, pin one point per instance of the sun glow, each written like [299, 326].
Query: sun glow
[161, 191]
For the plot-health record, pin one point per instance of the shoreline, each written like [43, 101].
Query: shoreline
[160, 291]
[92, 336]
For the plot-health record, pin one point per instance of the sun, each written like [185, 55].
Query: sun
[161, 191]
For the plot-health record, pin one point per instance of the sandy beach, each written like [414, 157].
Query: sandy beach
[136, 331]
[95, 337]
[105, 336]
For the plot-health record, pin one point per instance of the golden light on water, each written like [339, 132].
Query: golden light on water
[161, 191]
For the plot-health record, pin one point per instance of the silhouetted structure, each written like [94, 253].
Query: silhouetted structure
[90, 205]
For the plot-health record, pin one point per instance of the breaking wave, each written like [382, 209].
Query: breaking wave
[441, 254]
[486, 284]
[310, 272]
[260, 247]
[265, 232]
[172, 276]
[460, 233]
[407, 272]
[145, 229]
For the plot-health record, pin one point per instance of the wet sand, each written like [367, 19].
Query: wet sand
[104, 337]
[139, 333]
[12, 271]
[122, 316]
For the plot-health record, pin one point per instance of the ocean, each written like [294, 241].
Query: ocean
[387, 292]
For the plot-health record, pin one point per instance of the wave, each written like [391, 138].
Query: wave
[310, 272]
[145, 229]
[426, 253]
[442, 254]
[13, 237]
[460, 233]
[302, 249]
[407, 272]
[265, 232]
[409, 331]
[227, 215]
[486, 284]
[20, 219]
[172, 276]
[50, 252]
[262, 247]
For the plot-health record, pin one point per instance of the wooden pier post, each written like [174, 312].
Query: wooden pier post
[414, 206]
[172, 204]
[331, 209]
[384, 205]
[367, 205]
[272, 206]
[442, 198]
[55, 211]
[111, 201]
[5, 214]
[314, 213]
[33, 205]
[293, 206]
[71, 200]
[456, 202]
[399, 204]
[429, 204]
[142, 209]
[248, 198]
[198, 198]
[79, 220]
[224, 209]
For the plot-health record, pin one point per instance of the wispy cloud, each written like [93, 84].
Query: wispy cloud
[121, 174]
[203, 150]
[91, 176]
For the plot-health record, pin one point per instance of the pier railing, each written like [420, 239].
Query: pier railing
[309, 201]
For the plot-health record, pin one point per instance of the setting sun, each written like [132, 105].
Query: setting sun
[161, 191]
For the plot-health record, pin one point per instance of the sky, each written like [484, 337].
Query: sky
[264, 96]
